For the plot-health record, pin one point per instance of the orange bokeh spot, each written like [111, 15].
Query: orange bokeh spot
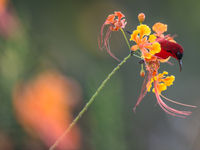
[3, 5]
[43, 107]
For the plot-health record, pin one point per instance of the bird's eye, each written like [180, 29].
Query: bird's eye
[179, 55]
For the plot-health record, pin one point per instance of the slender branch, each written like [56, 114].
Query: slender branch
[125, 38]
[89, 102]
[127, 42]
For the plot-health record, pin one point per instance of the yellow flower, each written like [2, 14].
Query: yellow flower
[163, 82]
[148, 46]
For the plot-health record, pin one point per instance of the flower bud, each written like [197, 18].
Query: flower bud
[141, 17]
[142, 73]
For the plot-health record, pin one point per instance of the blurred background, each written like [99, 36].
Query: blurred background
[50, 65]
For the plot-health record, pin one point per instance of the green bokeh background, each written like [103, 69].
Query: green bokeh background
[63, 35]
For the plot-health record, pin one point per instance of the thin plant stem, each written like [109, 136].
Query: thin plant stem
[125, 38]
[89, 102]
[128, 43]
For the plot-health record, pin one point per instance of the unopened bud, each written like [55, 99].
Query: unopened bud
[141, 17]
[142, 73]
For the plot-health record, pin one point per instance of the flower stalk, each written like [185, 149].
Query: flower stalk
[127, 42]
[89, 102]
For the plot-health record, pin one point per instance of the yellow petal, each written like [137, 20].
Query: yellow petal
[161, 87]
[155, 48]
[169, 80]
[149, 85]
[134, 35]
[143, 30]
[152, 38]
[147, 55]
[165, 73]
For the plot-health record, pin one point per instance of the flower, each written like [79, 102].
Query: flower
[145, 41]
[163, 82]
[115, 22]
[159, 28]
[143, 30]
[160, 83]
[44, 108]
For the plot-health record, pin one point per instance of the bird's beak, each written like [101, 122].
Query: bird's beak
[180, 64]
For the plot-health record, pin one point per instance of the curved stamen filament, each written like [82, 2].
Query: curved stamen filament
[177, 102]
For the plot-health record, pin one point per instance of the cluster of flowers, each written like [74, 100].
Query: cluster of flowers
[152, 49]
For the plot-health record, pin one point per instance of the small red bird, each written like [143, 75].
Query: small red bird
[169, 48]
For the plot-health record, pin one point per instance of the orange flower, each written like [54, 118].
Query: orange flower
[116, 22]
[43, 108]
[161, 82]
[159, 28]
[145, 42]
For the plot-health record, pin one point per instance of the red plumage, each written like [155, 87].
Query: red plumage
[168, 49]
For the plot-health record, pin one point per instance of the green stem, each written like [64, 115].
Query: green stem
[128, 43]
[125, 38]
[89, 102]
[142, 67]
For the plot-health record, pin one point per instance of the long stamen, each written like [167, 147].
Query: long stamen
[168, 112]
[142, 93]
[106, 44]
[177, 102]
[100, 41]
[168, 109]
